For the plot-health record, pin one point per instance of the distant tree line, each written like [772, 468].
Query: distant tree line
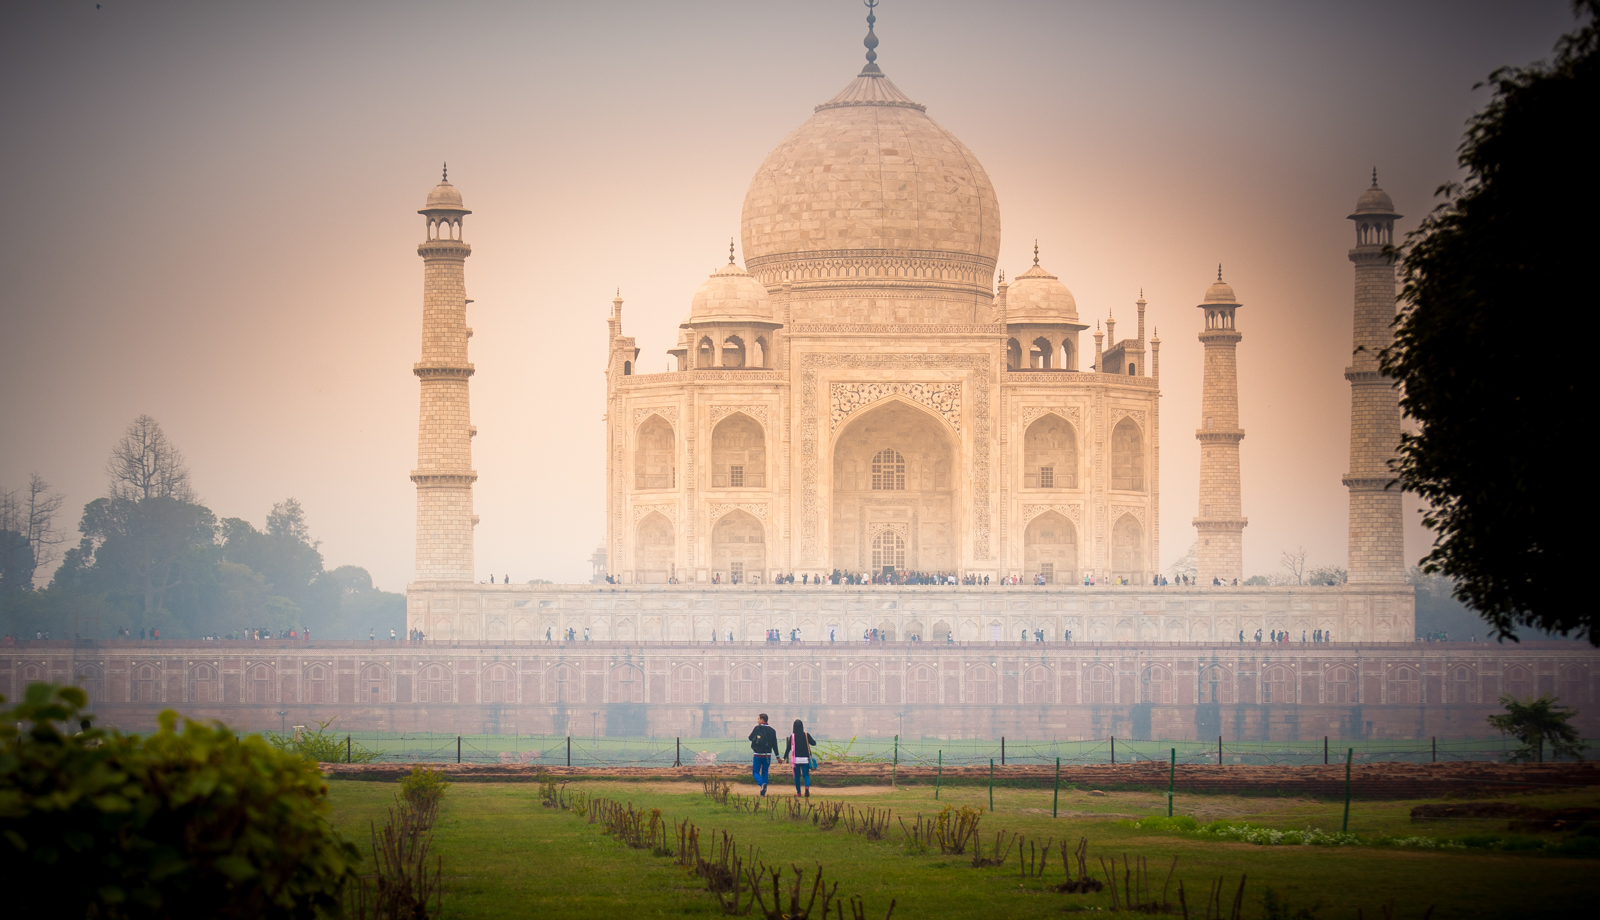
[152, 556]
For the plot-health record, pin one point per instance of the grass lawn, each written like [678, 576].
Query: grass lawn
[507, 856]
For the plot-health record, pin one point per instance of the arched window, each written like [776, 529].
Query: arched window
[1050, 547]
[1127, 457]
[1341, 686]
[805, 685]
[738, 454]
[499, 684]
[924, 687]
[888, 549]
[654, 549]
[1050, 454]
[1277, 686]
[1156, 683]
[627, 685]
[1036, 686]
[1068, 360]
[1042, 355]
[981, 687]
[863, 686]
[653, 466]
[746, 685]
[1405, 687]
[627, 368]
[1127, 549]
[1216, 684]
[703, 354]
[1097, 685]
[888, 471]
[1133, 370]
[758, 356]
[1013, 355]
[374, 684]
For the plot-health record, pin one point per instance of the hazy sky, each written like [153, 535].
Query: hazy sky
[212, 220]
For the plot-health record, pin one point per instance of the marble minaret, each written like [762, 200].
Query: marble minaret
[1221, 523]
[1377, 544]
[444, 474]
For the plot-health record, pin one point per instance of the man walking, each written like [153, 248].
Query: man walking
[764, 744]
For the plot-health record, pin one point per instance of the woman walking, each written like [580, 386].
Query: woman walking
[797, 750]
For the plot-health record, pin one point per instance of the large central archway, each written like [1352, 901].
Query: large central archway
[894, 489]
[738, 547]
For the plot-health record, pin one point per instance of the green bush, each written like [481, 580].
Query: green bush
[321, 746]
[423, 786]
[193, 823]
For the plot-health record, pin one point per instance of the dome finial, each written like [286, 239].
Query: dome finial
[1374, 177]
[730, 250]
[446, 172]
[871, 41]
[1219, 271]
[1036, 252]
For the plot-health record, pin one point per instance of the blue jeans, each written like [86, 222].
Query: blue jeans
[802, 771]
[759, 768]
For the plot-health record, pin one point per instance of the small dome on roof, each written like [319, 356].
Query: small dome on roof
[1036, 296]
[1374, 201]
[444, 197]
[1220, 291]
[731, 295]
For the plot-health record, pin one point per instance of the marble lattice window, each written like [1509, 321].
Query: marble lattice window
[888, 471]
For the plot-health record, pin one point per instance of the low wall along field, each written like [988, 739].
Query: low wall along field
[917, 690]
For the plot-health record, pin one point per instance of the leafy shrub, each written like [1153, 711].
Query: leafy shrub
[321, 746]
[423, 787]
[193, 823]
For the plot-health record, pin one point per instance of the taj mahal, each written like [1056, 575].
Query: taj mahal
[869, 394]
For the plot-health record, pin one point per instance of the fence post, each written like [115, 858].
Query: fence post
[937, 777]
[347, 747]
[1055, 804]
[894, 771]
[1002, 750]
[1435, 749]
[1349, 756]
[569, 750]
[1113, 750]
[1172, 779]
[991, 785]
[458, 749]
[677, 756]
[1324, 750]
[1219, 750]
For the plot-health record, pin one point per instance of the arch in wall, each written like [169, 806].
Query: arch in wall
[805, 684]
[704, 355]
[886, 630]
[1127, 456]
[862, 685]
[760, 354]
[738, 453]
[259, 685]
[895, 468]
[923, 687]
[1156, 685]
[626, 685]
[980, 685]
[654, 549]
[1050, 547]
[738, 546]
[941, 631]
[499, 684]
[1216, 684]
[374, 685]
[654, 463]
[1405, 686]
[433, 684]
[888, 549]
[1036, 686]
[1339, 685]
[733, 351]
[1068, 357]
[1277, 685]
[1041, 356]
[1127, 549]
[914, 630]
[1050, 454]
[1097, 685]
[1013, 355]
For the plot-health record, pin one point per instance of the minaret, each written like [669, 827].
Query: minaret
[444, 473]
[1221, 524]
[1377, 544]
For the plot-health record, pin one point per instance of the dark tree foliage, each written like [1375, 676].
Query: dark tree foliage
[187, 822]
[1533, 723]
[1512, 245]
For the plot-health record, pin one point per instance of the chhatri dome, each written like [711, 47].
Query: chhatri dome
[870, 176]
[731, 295]
[1220, 291]
[444, 195]
[1036, 296]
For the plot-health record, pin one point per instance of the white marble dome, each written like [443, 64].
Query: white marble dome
[1036, 296]
[444, 197]
[871, 171]
[731, 295]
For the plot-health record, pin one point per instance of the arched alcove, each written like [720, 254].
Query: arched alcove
[895, 469]
[1127, 549]
[738, 546]
[733, 352]
[738, 453]
[653, 461]
[1050, 546]
[1127, 457]
[1050, 454]
[653, 549]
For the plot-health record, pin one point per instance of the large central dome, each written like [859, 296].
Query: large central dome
[870, 187]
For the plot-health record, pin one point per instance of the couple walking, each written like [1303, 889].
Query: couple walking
[796, 750]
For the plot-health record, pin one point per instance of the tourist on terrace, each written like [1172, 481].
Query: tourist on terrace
[797, 750]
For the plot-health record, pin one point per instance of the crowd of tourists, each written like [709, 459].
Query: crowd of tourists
[942, 579]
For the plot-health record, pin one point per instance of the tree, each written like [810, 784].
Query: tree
[1187, 564]
[1293, 563]
[137, 546]
[28, 534]
[145, 464]
[1533, 723]
[1495, 411]
[1328, 575]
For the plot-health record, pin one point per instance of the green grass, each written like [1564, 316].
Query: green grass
[506, 856]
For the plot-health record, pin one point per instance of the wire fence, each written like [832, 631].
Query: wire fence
[595, 751]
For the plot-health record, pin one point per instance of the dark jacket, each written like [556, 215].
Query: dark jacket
[800, 747]
[764, 739]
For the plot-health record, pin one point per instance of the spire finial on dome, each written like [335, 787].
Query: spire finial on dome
[1219, 271]
[447, 172]
[1036, 252]
[730, 250]
[1374, 177]
[871, 41]
[1002, 276]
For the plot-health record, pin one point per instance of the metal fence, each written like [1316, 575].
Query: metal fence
[593, 751]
